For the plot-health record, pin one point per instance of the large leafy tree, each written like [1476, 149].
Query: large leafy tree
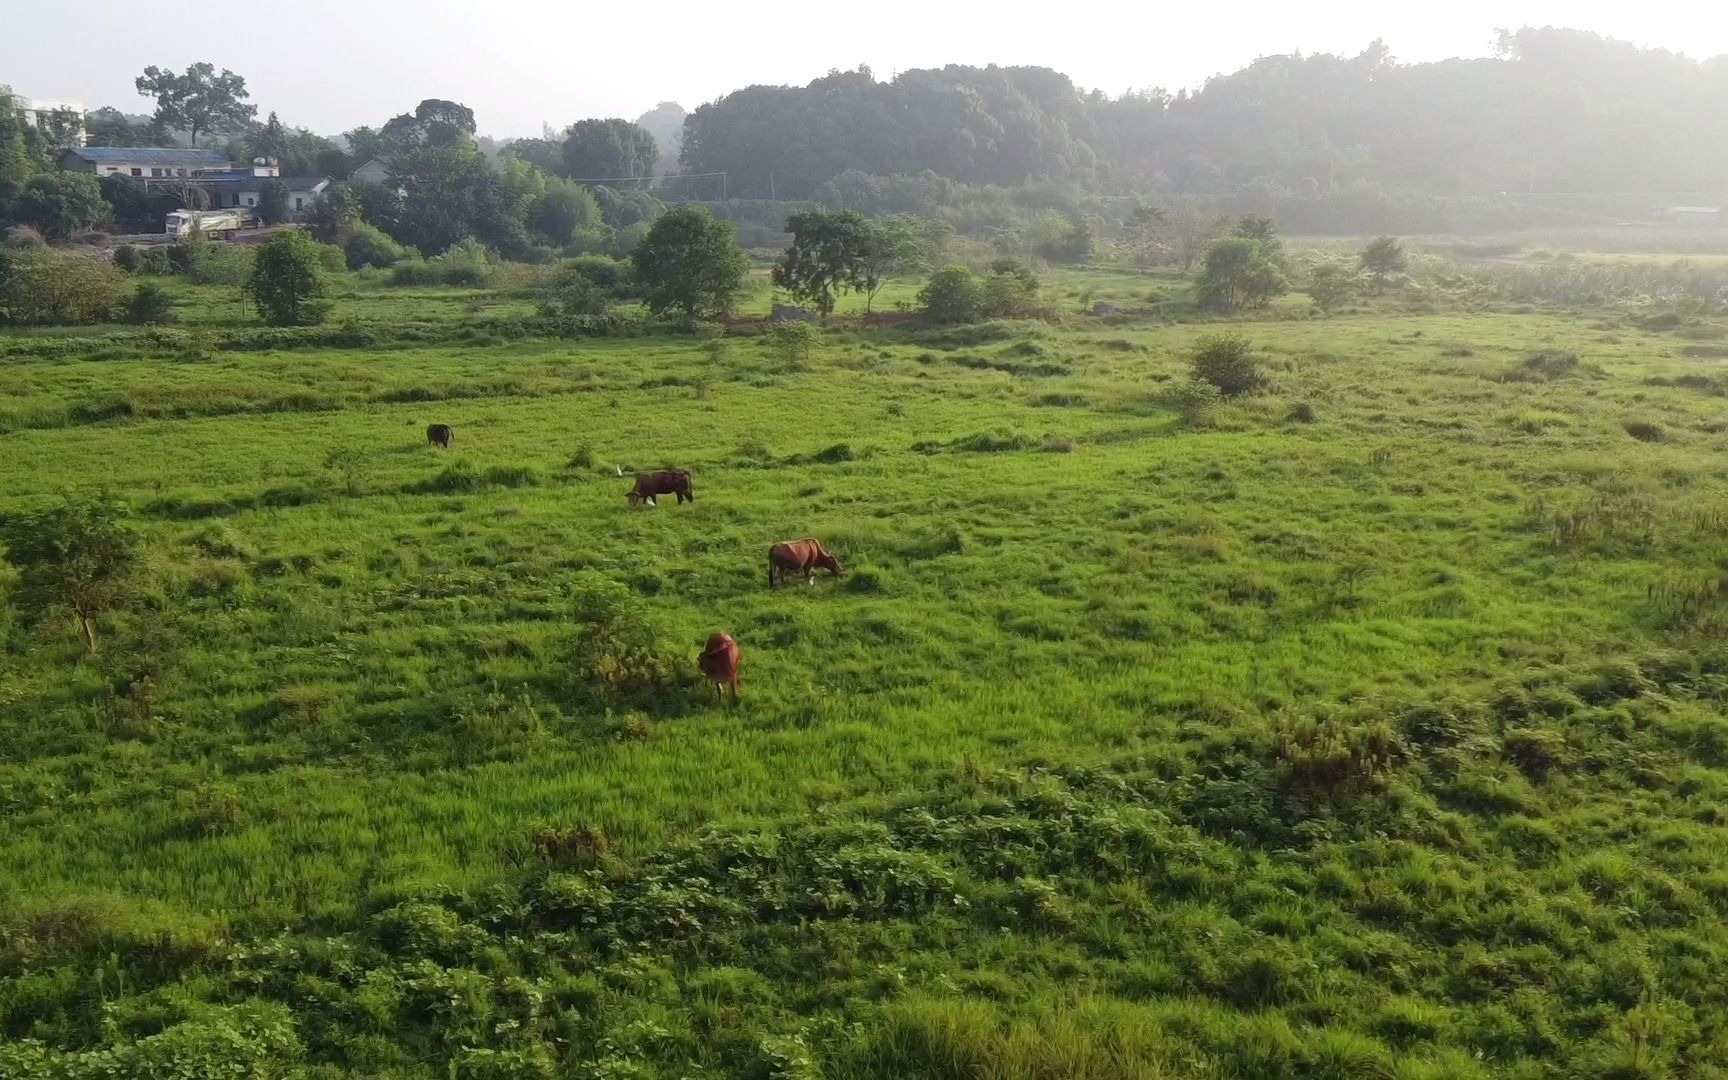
[58, 204]
[690, 264]
[608, 150]
[826, 256]
[75, 557]
[198, 101]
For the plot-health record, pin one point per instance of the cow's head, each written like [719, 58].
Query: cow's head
[829, 563]
[634, 496]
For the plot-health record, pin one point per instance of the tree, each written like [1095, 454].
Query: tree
[1263, 231]
[826, 256]
[1192, 232]
[136, 206]
[76, 556]
[287, 281]
[690, 262]
[273, 201]
[899, 244]
[547, 155]
[109, 126]
[608, 149]
[335, 215]
[1011, 290]
[17, 164]
[269, 141]
[952, 295]
[1383, 258]
[199, 101]
[562, 210]
[666, 123]
[59, 204]
[1238, 274]
[1331, 284]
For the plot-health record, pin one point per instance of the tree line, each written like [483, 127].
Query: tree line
[1554, 111]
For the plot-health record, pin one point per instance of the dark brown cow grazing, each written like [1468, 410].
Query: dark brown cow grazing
[442, 434]
[719, 664]
[664, 482]
[803, 556]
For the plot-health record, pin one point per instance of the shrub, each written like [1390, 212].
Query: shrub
[952, 295]
[44, 288]
[1331, 286]
[74, 557]
[573, 293]
[1194, 399]
[150, 304]
[24, 237]
[1227, 362]
[610, 274]
[1645, 430]
[368, 245]
[126, 258]
[618, 647]
[1301, 413]
[791, 343]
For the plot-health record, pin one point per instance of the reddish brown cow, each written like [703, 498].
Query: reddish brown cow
[663, 482]
[802, 556]
[719, 664]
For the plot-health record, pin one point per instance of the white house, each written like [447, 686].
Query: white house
[303, 191]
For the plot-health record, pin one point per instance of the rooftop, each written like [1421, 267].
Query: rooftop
[150, 155]
[246, 181]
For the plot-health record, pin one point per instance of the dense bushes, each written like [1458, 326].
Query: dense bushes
[1227, 363]
[40, 287]
[956, 295]
[370, 246]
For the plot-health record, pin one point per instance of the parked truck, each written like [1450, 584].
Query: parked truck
[222, 223]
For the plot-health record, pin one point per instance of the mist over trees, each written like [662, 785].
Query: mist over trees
[1555, 111]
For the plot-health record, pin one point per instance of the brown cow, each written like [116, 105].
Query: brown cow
[663, 482]
[719, 664]
[441, 434]
[803, 556]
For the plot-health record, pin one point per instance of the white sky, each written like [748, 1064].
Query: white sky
[332, 64]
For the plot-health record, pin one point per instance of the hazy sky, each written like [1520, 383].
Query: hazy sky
[332, 64]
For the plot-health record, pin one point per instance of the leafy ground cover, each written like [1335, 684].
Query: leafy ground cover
[1367, 725]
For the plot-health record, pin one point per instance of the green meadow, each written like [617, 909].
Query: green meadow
[1366, 726]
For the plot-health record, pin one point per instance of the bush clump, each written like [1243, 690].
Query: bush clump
[1227, 363]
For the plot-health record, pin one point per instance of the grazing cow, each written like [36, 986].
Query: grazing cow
[719, 664]
[649, 485]
[802, 556]
[442, 434]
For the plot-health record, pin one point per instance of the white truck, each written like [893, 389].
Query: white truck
[223, 223]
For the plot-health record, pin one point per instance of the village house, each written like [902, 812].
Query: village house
[228, 184]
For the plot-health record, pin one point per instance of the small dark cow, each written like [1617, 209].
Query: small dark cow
[800, 556]
[441, 434]
[719, 664]
[650, 485]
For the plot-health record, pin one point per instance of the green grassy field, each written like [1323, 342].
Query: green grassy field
[1368, 726]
